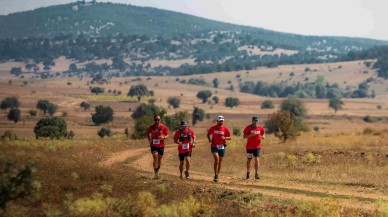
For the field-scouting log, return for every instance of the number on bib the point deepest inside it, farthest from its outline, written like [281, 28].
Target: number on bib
[155, 141]
[220, 147]
[185, 146]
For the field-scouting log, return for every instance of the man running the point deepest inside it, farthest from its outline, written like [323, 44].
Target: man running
[185, 139]
[219, 134]
[254, 133]
[156, 134]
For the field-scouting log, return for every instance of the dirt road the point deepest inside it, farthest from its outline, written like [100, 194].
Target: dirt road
[349, 196]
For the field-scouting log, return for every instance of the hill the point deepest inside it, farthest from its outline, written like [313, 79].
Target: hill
[108, 19]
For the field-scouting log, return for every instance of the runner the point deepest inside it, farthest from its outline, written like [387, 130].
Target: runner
[185, 139]
[219, 134]
[254, 133]
[156, 134]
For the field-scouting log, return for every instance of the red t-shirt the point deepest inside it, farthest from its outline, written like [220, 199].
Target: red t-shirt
[155, 132]
[254, 142]
[187, 145]
[216, 132]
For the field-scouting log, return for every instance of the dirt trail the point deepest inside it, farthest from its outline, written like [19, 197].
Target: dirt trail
[289, 190]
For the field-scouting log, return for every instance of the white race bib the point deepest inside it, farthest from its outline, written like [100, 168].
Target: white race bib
[250, 155]
[155, 141]
[220, 147]
[185, 145]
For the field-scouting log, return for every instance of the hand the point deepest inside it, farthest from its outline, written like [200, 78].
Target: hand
[161, 137]
[223, 138]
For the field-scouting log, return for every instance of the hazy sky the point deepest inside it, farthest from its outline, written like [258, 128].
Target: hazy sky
[355, 18]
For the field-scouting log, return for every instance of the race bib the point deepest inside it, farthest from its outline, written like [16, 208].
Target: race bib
[185, 146]
[249, 155]
[220, 147]
[156, 141]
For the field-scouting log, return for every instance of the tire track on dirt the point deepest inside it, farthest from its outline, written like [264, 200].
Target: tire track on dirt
[287, 191]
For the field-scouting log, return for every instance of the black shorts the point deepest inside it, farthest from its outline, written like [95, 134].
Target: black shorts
[253, 153]
[160, 150]
[182, 156]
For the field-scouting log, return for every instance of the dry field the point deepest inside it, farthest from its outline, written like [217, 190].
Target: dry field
[339, 171]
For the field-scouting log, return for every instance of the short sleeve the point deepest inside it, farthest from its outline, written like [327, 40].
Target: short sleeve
[247, 131]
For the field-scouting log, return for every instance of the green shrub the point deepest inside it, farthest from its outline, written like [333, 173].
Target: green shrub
[236, 131]
[309, 159]
[52, 127]
[267, 104]
[8, 135]
[371, 119]
[104, 132]
[16, 182]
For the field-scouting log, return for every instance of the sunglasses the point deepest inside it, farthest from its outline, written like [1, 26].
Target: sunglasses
[156, 119]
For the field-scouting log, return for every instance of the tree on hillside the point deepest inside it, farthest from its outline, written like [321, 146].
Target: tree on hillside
[139, 91]
[85, 105]
[16, 71]
[215, 83]
[42, 104]
[51, 108]
[73, 67]
[267, 104]
[336, 104]
[215, 99]
[232, 102]
[147, 110]
[198, 115]
[283, 125]
[294, 106]
[52, 127]
[204, 95]
[97, 90]
[9, 102]
[14, 115]
[104, 114]
[174, 101]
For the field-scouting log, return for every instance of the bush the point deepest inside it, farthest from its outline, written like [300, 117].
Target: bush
[9, 102]
[104, 114]
[284, 125]
[16, 182]
[204, 95]
[368, 131]
[52, 127]
[267, 104]
[32, 112]
[104, 132]
[198, 115]
[232, 102]
[174, 101]
[236, 131]
[371, 119]
[147, 110]
[70, 135]
[8, 135]
[294, 106]
[14, 115]
[316, 129]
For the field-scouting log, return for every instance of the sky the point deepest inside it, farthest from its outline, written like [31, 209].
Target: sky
[353, 18]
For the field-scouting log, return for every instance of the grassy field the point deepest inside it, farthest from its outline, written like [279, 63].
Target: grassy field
[340, 170]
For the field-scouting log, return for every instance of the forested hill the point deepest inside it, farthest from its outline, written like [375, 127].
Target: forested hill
[108, 19]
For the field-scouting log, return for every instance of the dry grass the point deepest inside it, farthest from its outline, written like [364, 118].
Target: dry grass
[338, 160]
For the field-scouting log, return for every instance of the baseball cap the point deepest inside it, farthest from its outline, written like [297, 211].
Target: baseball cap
[183, 123]
[255, 118]
[220, 118]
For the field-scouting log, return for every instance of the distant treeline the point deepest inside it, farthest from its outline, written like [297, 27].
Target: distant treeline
[317, 89]
[378, 52]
